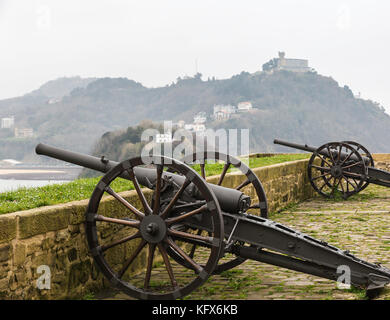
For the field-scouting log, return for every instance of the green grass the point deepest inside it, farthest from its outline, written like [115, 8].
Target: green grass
[216, 168]
[28, 198]
[79, 189]
[89, 296]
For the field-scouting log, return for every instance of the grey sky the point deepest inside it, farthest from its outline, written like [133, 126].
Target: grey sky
[154, 42]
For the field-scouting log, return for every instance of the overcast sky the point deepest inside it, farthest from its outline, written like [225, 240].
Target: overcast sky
[154, 42]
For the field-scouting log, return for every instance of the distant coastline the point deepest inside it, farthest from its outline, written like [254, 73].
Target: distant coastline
[40, 173]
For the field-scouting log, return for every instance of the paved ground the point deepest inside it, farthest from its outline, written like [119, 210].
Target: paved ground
[360, 225]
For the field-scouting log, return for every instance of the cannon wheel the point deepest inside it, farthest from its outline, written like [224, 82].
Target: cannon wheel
[152, 228]
[330, 174]
[230, 261]
[364, 152]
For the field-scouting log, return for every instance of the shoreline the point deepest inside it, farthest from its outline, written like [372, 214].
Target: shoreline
[50, 173]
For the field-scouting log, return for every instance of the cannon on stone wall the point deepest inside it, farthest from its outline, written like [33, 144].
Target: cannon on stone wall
[194, 228]
[341, 168]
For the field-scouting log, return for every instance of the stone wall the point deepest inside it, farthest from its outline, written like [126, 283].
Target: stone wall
[54, 236]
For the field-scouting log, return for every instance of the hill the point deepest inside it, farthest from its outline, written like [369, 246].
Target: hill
[302, 107]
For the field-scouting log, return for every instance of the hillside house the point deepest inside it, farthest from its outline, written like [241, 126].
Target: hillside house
[7, 123]
[222, 112]
[244, 106]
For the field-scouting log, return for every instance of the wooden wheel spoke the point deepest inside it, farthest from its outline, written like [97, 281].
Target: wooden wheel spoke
[348, 182]
[243, 184]
[352, 165]
[203, 170]
[326, 181]
[192, 252]
[190, 204]
[323, 159]
[356, 175]
[356, 183]
[131, 259]
[331, 155]
[148, 273]
[337, 185]
[137, 187]
[224, 171]
[341, 184]
[168, 265]
[320, 168]
[321, 176]
[346, 159]
[170, 221]
[157, 192]
[129, 222]
[164, 214]
[339, 154]
[123, 201]
[334, 185]
[174, 246]
[186, 235]
[115, 243]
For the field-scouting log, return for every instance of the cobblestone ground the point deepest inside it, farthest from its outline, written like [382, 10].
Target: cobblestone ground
[360, 225]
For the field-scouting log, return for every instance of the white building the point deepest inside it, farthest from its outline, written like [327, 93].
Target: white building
[7, 123]
[164, 137]
[200, 118]
[181, 123]
[24, 132]
[223, 111]
[9, 162]
[244, 106]
[189, 126]
[198, 127]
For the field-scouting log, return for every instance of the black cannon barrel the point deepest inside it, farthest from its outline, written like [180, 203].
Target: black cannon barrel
[230, 200]
[295, 146]
[307, 148]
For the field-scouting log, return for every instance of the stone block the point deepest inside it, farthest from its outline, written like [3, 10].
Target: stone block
[7, 227]
[19, 254]
[79, 273]
[5, 253]
[42, 220]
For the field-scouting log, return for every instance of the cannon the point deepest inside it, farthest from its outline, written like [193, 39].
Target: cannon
[341, 168]
[190, 228]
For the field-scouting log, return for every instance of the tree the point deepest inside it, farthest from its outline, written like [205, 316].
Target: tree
[268, 66]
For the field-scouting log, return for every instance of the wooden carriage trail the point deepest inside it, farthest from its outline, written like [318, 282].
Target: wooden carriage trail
[359, 224]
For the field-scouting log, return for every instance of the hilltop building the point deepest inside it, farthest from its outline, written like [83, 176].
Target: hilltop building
[294, 65]
[7, 123]
[281, 63]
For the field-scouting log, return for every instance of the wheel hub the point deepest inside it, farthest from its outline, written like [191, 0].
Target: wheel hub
[153, 228]
[336, 171]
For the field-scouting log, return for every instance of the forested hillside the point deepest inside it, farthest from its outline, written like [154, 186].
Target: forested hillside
[307, 108]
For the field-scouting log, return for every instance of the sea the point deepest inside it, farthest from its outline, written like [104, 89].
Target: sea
[12, 184]
[14, 178]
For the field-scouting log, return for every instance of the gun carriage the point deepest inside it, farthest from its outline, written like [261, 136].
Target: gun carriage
[199, 228]
[344, 168]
